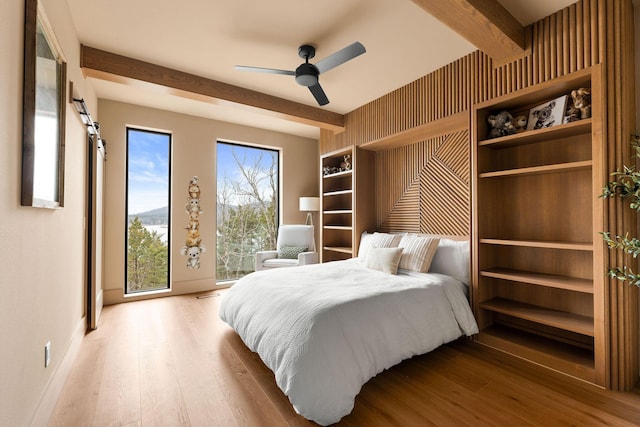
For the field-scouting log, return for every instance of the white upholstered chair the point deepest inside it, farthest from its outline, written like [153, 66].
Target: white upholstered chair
[295, 246]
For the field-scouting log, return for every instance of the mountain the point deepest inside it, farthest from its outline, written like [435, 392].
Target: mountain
[157, 216]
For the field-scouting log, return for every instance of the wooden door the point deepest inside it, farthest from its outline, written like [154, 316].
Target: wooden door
[96, 198]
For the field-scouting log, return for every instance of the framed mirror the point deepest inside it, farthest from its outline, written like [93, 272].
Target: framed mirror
[43, 117]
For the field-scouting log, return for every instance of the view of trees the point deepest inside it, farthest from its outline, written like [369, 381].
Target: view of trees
[147, 259]
[247, 213]
[148, 205]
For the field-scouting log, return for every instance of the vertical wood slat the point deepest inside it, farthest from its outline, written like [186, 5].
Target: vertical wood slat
[566, 41]
[586, 33]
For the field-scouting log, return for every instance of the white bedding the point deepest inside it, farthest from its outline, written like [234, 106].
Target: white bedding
[326, 329]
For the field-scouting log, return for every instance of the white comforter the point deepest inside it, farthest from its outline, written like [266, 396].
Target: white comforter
[326, 329]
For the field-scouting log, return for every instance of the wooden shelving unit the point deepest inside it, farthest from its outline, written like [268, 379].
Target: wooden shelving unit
[346, 203]
[538, 263]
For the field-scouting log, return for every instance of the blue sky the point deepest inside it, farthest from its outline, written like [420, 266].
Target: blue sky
[227, 164]
[148, 165]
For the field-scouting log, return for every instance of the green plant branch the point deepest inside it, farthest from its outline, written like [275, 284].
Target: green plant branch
[627, 187]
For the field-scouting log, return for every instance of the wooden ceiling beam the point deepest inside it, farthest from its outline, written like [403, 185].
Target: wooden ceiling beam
[485, 23]
[121, 69]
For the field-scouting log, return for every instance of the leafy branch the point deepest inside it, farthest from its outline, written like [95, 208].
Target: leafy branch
[627, 187]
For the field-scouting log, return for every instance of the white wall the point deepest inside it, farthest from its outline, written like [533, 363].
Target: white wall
[42, 264]
[194, 147]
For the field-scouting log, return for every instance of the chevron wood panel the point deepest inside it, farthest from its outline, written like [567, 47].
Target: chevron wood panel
[427, 186]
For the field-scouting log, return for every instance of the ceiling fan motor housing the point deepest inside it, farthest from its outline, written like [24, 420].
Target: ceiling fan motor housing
[307, 75]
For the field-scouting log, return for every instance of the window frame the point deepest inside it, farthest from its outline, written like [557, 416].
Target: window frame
[128, 130]
[279, 153]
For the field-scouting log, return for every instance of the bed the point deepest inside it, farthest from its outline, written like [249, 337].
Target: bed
[326, 329]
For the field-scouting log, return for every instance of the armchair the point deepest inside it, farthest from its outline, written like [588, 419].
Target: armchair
[295, 246]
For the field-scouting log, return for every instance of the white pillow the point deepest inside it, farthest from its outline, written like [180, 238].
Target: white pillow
[418, 252]
[384, 259]
[452, 259]
[378, 240]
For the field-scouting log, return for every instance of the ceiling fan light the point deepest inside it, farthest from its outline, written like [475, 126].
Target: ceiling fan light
[307, 75]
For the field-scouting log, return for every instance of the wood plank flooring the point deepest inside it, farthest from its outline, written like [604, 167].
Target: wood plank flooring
[172, 362]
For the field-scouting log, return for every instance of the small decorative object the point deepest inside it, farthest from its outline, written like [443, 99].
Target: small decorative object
[501, 124]
[520, 122]
[582, 101]
[193, 243]
[548, 114]
[572, 114]
[193, 255]
[194, 188]
[346, 164]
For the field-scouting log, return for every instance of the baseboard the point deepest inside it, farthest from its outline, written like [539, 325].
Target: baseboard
[59, 377]
[117, 296]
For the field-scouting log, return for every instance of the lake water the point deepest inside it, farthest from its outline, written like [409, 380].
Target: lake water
[162, 231]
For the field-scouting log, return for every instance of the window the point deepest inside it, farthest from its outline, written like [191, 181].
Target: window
[148, 207]
[247, 207]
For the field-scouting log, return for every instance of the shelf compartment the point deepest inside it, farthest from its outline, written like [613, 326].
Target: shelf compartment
[547, 280]
[533, 136]
[338, 212]
[576, 246]
[536, 170]
[575, 361]
[557, 319]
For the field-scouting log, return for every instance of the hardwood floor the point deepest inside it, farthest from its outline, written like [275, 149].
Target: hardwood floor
[172, 362]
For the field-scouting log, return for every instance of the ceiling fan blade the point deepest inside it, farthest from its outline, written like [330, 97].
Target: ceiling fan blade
[318, 94]
[340, 57]
[265, 70]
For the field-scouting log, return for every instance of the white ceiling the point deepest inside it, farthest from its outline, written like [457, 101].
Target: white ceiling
[208, 37]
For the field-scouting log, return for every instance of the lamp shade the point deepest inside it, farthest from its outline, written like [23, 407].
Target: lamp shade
[309, 204]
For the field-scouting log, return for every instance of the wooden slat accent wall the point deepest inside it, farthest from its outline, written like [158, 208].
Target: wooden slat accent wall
[423, 181]
[586, 33]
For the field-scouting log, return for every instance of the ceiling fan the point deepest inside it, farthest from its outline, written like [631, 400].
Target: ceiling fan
[307, 74]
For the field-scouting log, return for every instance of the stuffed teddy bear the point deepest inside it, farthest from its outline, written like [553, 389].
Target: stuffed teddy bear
[193, 237]
[520, 123]
[572, 113]
[194, 188]
[501, 124]
[544, 116]
[193, 216]
[193, 255]
[346, 164]
[194, 223]
[582, 101]
[193, 206]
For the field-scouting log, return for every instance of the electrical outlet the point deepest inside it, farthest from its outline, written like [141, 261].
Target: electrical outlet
[47, 354]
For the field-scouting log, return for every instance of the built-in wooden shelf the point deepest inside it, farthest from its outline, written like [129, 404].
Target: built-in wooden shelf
[338, 212]
[337, 193]
[337, 174]
[557, 319]
[338, 227]
[548, 280]
[539, 135]
[538, 265]
[346, 202]
[577, 246]
[535, 170]
[340, 249]
[575, 361]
